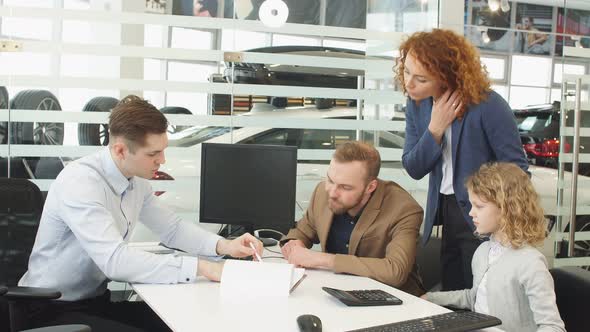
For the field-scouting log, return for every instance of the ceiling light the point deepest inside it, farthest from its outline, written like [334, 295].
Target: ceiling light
[494, 5]
[485, 37]
[484, 34]
[505, 6]
[273, 13]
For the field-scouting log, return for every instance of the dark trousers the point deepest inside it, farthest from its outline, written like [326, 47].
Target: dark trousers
[100, 314]
[458, 245]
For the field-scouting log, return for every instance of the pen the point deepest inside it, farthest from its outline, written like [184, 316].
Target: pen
[255, 252]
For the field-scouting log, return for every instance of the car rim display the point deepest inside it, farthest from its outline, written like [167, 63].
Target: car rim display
[36, 132]
[48, 133]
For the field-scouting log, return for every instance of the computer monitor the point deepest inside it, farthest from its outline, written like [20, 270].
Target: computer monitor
[248, 185]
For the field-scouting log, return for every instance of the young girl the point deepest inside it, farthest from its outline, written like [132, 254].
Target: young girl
[510, 277]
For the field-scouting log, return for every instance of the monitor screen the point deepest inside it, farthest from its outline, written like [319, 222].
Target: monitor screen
[248, 185]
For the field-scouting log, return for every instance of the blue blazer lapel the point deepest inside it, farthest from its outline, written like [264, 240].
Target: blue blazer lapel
[457, 129]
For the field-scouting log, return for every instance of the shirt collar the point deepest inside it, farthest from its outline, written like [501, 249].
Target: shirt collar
[355, 218]
[497, 245]
[358, 215]
[113, 175]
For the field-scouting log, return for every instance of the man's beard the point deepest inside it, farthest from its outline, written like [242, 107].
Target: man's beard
[340, 208]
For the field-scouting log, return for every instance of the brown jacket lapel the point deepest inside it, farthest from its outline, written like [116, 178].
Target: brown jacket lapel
[367, 218]
[323, 227]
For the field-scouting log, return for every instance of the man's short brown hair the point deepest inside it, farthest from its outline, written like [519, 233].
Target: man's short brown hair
[363, 152]
[133, 119]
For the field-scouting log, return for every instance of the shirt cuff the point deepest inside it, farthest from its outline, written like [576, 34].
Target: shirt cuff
[188, 269]
[432, 142]
[210, 247]
[342, 263]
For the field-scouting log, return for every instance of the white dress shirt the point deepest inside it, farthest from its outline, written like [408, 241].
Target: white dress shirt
[481, 297]
[89, 215]
[446, 186]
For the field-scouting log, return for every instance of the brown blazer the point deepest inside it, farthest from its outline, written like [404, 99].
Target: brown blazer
[382, 244]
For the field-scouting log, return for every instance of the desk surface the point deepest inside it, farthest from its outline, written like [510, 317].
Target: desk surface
[199, 306]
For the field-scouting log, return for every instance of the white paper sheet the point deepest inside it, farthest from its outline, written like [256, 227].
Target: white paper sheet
[256, 279]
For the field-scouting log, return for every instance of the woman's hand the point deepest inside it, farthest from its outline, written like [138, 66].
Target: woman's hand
[444, 112]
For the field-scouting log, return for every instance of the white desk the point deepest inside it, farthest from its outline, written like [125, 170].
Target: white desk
[199, 307]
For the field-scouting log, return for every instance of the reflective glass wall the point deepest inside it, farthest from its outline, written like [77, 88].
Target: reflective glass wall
[535, 51]
[219, 74]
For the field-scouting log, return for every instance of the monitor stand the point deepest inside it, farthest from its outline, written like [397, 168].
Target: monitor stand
[266, 241]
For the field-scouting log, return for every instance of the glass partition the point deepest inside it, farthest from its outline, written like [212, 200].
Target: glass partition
[535, 51]
[219, 74]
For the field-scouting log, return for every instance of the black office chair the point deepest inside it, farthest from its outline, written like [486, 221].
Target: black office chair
[572, 290]
[21, 204]
[429, 265]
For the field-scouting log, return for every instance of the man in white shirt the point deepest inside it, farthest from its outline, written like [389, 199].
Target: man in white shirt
[90, 213]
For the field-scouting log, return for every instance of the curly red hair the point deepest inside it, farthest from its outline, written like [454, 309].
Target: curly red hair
[450, 58]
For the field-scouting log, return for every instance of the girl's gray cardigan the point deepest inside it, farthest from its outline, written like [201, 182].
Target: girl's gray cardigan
[520, 290]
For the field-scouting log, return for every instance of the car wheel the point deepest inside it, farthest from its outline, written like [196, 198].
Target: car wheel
[581, 248]
[324, 103]
[278, 102]
[3, 105]
[175, 110]
[584, 170]
[96, 133]
[36, 132]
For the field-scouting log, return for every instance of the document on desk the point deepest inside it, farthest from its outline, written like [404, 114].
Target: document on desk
[255, 279]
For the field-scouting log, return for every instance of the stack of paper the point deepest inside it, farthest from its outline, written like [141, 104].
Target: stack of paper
[250, 278]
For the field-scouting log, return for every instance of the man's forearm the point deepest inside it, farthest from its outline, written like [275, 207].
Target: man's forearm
[325, 261]
[297, 234]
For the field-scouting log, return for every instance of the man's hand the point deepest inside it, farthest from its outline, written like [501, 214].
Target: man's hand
[240, 247]
[288, 247]
[444, 112]
[210, 270]
[301, 256]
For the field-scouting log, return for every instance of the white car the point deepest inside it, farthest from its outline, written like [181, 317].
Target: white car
[309, 173]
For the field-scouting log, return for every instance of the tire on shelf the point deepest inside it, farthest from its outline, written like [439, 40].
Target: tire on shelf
[175, 110]
[3, 105]
[49, 133]
[279, 102]
[324, 103]
[96, 133]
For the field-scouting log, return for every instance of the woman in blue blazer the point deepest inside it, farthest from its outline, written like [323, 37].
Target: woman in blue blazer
[454, 124]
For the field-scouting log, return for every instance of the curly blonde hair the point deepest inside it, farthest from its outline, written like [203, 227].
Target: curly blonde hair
[451, 59]
[511, 190]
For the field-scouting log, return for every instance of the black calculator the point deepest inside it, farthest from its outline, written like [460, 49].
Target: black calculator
[364, 297]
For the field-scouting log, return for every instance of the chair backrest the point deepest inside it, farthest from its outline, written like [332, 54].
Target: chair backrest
[572, 290]
[21, 204]
[429, 265]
